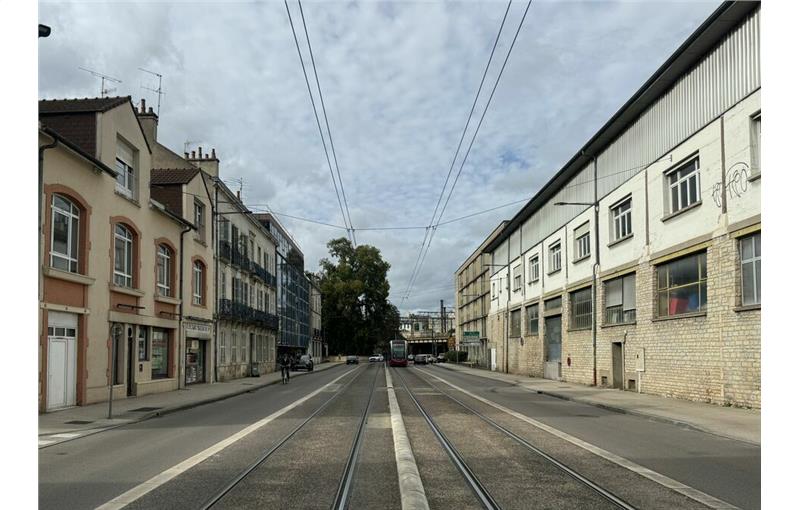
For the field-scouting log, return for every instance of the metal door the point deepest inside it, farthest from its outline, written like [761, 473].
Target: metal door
[552, 337]
[61, 360]
[616, 365]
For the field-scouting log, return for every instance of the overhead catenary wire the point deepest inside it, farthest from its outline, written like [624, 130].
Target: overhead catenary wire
[349, 221]
[428, 230]
[472, 141]
[316, 116]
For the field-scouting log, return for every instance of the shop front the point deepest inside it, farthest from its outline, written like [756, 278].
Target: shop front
[198, 337]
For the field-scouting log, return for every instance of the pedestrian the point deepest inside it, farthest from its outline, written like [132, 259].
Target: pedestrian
[284, 362]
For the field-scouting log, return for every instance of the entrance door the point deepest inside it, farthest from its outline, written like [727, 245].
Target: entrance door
[61, 360]
[552, 337]
[131, 361]
[616, 364]
[494, 358]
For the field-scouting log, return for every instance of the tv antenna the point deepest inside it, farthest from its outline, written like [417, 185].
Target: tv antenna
[157, 91]
[103, 78]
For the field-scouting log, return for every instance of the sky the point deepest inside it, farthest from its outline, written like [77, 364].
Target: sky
[398, 80]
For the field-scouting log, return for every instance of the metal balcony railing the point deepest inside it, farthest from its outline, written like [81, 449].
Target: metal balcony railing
[225, 250]
[232, 310]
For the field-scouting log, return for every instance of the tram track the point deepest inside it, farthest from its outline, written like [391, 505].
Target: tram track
[345, 482]
[480, 490]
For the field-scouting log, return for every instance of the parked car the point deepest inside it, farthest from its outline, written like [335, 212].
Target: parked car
[304, 362]
[352, 360]
[431, 358]
[441, 358]
[375, 357]
[421, 359]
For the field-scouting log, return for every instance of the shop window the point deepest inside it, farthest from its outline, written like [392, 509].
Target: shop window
[143, 344]
[682, 286]
[750, 254]
[123, 256]
[581, 309]
[620, 300]
[160, 354]
[64, 230]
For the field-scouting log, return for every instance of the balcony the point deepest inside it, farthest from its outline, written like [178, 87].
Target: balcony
[240, 259]
[231, 310]
[225, 250]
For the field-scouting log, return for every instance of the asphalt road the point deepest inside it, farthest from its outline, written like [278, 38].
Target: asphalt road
[304, 451]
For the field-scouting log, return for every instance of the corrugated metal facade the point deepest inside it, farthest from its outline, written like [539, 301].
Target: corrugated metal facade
[728, 74]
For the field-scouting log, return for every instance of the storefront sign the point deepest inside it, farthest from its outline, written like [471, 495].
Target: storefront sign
[198, 330]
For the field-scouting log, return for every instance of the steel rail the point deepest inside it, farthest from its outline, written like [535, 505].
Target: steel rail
[213, 500]
[477, 487]
[345, 483]
[610, 496]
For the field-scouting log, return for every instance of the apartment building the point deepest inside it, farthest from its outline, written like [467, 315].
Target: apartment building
[638, 265]
[472, 302]
[247, 324]
[427, 332]
[112, 257]
[293, 292]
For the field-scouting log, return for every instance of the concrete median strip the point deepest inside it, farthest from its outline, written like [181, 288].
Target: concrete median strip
[675, 485]
[412, 492]
[165, 476]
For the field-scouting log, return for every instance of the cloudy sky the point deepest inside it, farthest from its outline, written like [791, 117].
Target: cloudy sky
[398, 79]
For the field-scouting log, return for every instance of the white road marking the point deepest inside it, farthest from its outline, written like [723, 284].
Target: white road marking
[660, 479]
[66, 435]
[45, 442]
[412, 492]
[160, 479]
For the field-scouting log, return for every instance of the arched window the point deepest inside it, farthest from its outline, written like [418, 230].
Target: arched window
[64, 234]
[123, 256]
[164, 270]
[198, 283]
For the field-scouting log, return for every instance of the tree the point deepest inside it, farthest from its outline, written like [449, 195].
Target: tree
[356, 314]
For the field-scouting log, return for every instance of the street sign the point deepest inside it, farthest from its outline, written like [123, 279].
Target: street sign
[471, 337]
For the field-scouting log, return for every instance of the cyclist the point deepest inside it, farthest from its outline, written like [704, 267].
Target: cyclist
[285, 367]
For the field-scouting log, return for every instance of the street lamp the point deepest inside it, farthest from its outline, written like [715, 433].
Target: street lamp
[595, 271]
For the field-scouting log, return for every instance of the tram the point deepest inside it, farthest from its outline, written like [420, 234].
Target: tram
[398, 352]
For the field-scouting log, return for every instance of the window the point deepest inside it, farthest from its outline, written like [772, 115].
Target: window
[621, 220]
[620, 299]
[494, 289]
[200, 219]
[64, 235]
[555, 257]
[533, 269]
[234, 347]
[143, 344]
[197, 284]
[582, 242]
[517, 278]
[243, 359]
[750, 253]
[123, 256]
[222, 348]
[580, 303]
[516, 316]
[755, 136]
[682, 286]
[684, 186]
[160, 354]
[164, 270]
[533, 319]
[126, 176]
[222, 290]
[552, 304]
[224, 227]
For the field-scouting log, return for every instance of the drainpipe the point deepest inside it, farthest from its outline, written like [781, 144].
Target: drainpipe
[181, 344]
[595, 275]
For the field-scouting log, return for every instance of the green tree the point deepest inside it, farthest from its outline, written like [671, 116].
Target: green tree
[356, 314]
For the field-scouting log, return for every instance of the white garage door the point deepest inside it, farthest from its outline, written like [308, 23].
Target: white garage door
[61, 359]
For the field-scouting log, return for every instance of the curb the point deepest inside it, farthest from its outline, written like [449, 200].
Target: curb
[616, 409]
[174, 409]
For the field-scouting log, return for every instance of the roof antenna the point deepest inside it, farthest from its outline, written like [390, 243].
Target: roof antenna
[157, 91]
[103, 77]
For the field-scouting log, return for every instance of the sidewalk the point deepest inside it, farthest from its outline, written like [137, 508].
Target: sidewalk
[733, 423]
[59, 426]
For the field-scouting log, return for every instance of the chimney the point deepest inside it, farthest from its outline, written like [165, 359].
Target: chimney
[207, 163]
[149, 122]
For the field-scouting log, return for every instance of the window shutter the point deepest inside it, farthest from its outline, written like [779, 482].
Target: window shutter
[582, 230]
[125, 153]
